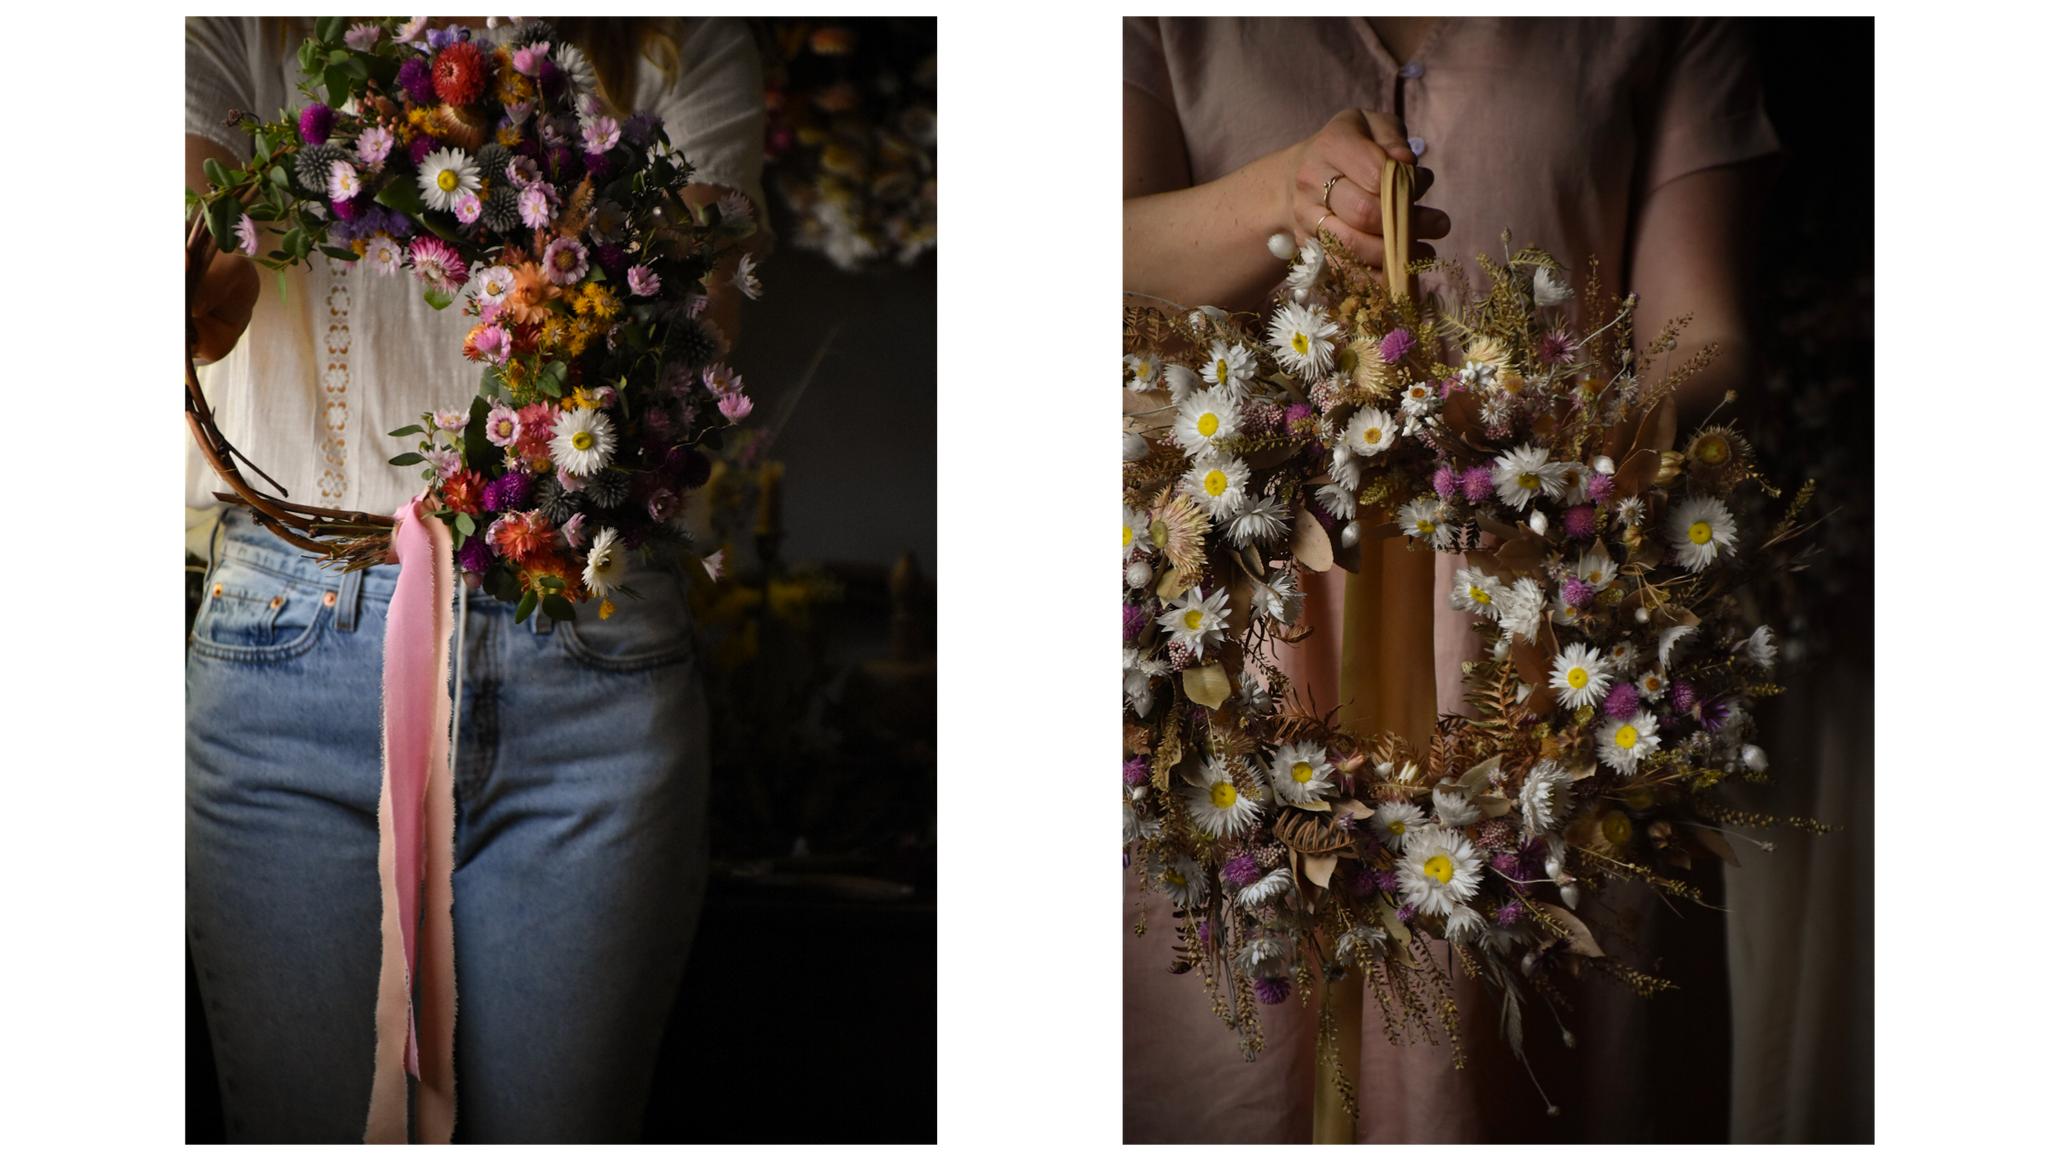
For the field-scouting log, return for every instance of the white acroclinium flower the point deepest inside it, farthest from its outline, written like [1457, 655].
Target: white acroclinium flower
[1338, 500]
[1137, 574]
[1438, 870]
[1580, 676]
[1576, 477]
[1265, 955]
[1185, 882]
[1464, 924]
[576, 67]
[445, 175]
[1196, 621]
[1271, 885]
[1203, 418]
[1301, 773]
[583, 441]
[1262, 520]
[1370, 432]
[1453, 809]
[1650, 685]
[606, 564]
[1668, 640]
[1230, 368]
[1253, 695]
[1428, 519]
[1394, 821]
[1300, 337]
[1181, 381]
[1418, 400]
[1355, 941]
[1761, 648]
[1595, 567]
[493, 283]
[1216, 806]
[1755, 758]
[1141, 371]
[1281, 597]
[1549, 289]
[1139, 671]
[1622, 742]
[1282, 246]
[1525, 473]
[1701, 528]
[1622, 656]
[1521, 609]
[1546, 796]
[1308, 266]
[1139, 826]
[1347, 469]
[1217, 483]
[1472, 591]
[1137, 533]
[1630, 510]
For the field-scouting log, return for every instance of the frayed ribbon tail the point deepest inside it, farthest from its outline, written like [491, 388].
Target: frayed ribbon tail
[415, 844]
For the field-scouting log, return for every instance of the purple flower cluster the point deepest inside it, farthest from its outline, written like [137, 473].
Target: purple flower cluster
[1622, 701]
[1272, 991]
[1137, 770]
[1396, 345]
[1241, 872]
[508, 492]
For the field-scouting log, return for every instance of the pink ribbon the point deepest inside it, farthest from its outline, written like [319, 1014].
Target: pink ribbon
[416, 843]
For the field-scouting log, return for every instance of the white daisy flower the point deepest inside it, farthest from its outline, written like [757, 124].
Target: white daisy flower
[1308, 266]
[1575, 479]
[1280, 598]
[493, 283]
[1139, 826]
[1472, 591]
[1263, 520]
[1137, 533]
[605, 564]
[1216, 806]
[1300, 337]
[1595, 567]
[1622, 657]
[1394, 821]
[1271, 885]
[1337, 500]
[583, 441]
[1418, 400]
[1464, 924]
[1347, 469]
[1230, 368]
[1196, 621]
[1650, 685]
[1438, 870]
[1217, 483]
[1141, 371]
[1525, 473]
[1138, 674]
[1181, 381]
[1580, 676]
[1370, 432]
[1265, 955]
[1761, 648]
[1453, 809]
[1549, 289]
[1701, 528]
[1301, 773]
[1427, 519]
[1668, 640]
[445, 175]
[1521, 610]
[385, 255]
[1622, 742]
[1185, 882]
[1630, 510]
[1546, 796]
[1203, 418]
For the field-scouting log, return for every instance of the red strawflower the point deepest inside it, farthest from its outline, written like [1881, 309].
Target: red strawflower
[463, 491]
[521, 535]
[536, 428]
[459, 73]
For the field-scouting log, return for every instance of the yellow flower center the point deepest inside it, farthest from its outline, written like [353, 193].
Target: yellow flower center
[1479, 595]
[1438, 868]
[1372, 435]
[448, 179]
[1426, 527]
[1711, 451]
[582, 441]
[1208, 424]
[1192, 619]
[1571, 479]
[1397, 827]
[1215, 482]
[1222, 795]
[1303, 772]
[1700, 532]
[1300, 343]
[1222, 370]
[1176, 878]
[1617, 827]
[1127, 536]
[1160, 534]
[1593, 578]
[1529, 481]
[1576, 678]
[1653, 683]
[1625, 737]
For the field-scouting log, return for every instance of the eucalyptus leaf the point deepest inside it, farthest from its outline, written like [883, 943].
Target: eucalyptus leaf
[329, 27]
[559, 608]
[408, 429]
[215, 174]
[465, 524]
[406, 459]
[526, 605]
[437, 299]
[337, 252]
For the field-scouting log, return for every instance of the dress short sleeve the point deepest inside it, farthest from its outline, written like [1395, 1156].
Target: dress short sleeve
[1145, 59]
[1712, 107]
[714, 112]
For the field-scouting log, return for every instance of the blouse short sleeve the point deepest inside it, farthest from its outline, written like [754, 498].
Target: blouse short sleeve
[228, 65]
[713, 111]
[1712, 109]
[1145, 66]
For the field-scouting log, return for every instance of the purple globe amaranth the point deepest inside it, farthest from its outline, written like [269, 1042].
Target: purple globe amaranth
[422, 145]
[1241, 871]
[1579, 523]
[1135, 621]
[1576, 592]
[1272, 991]
[1444, 482]
[508, 492]
[1301, 419]
[476, 554]
[1600, 488]
[1476, 483]
[1683, 696]
[417, 79]
[1407, 913]
[316, 121]
[1622, 701]
[1137, 770]
[1510, 913]
[1396, 345]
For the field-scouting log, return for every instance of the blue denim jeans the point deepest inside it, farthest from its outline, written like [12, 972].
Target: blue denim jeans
[580, 848]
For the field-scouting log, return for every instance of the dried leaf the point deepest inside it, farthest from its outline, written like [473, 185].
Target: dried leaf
[1171, 585]
[1712, 840]
[1461, 415]
[1637, 472]
[1137, 739]
[1382, 531]
[1479, 777]
[1575, 929]
[1310, 543]
[1395, 928]
[1490, 805]
[1317, 807]
[1532, 665]
[1357, 809]
[1317, 868]
[1585, 771]
[1523, 554]
[1207, 686]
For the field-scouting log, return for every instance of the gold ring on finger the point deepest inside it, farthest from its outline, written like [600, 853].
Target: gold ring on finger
[1320, 221]
[1334, 179]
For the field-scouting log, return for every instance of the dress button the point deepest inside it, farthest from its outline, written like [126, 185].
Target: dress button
[1413, 69]
[1416, 145]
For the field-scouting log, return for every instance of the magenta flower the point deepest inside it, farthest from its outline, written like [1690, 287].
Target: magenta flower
[437, 264]
[1622, 701]
[565, 261]
[574, 531]
[362, 37]
[374, 145]
[1600, 488]
[527, 61]
[1576, 592]
[494, 343]
[501, 426]
[720, 380]
[245, 231]
[1476, 483]
[600, 134]
[1272, 991]
[1445, 482]
[1579, 523]
[522, 172]
[316, 121]
[735, 407]
[664, 506]
[1136, 771]
[537, 205]
[643, 281]
[1396, 345]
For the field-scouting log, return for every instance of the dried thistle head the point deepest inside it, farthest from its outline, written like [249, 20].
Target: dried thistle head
[1178, 528]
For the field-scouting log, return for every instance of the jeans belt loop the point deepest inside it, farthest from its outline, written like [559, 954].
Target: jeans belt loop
[349, 601]
[542, 623]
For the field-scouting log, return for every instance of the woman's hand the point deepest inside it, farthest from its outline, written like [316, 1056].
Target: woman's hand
[222, 304]
[1352, 149]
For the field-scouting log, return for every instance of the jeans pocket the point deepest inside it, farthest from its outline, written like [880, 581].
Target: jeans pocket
[652, 631]
[251, 614]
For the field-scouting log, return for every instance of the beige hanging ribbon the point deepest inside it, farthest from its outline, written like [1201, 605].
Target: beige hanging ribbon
[1387, 671]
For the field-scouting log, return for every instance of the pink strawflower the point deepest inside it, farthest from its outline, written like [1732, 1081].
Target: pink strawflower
[373, 146]
[663, 506]
[522, 172]
[494, 343]
[501, 426]
[1445, 482]
[1476, 484]
[1622, 701]
[527, 61]
[1556, 347]
[451, 420]
[245, 231]
[719, 380]
[446, 461]
[574, 531]
[735, 406]
[600, 134]
[362, 37]
[468, 206]
[1600, 488]
[536, 205]
[735, 209]
[1579, 523]
[342, 182]
[437, 264]
[565, 261]
[643, 281]
[1396, 345]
